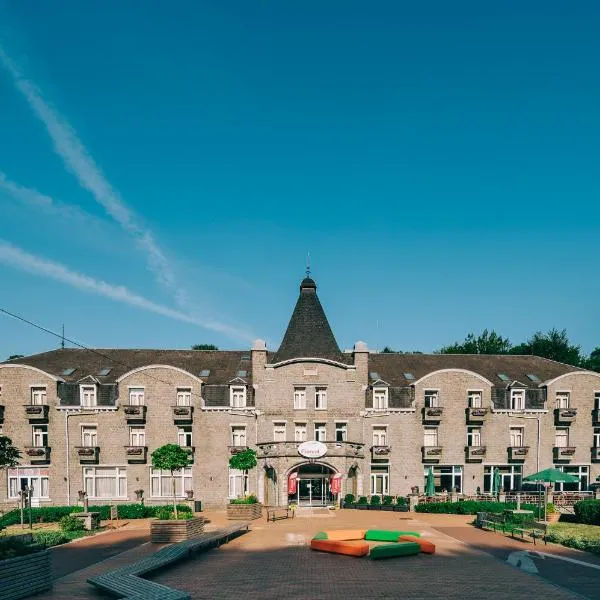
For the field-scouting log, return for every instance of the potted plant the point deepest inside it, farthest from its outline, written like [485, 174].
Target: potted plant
[401, 504]
[375, 502]
[387, 503]
[362, 503]
[552, 515]
[139, 495]
[348, 501]
[248, 507]
[171, 457]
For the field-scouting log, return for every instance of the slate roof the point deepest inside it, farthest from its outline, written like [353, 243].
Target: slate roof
[308, 333]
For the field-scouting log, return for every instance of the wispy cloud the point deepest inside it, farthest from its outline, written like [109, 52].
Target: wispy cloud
[24, 261]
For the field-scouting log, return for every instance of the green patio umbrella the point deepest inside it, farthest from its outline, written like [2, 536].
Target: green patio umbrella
[430, 483]
[550, 476]
[496, 481]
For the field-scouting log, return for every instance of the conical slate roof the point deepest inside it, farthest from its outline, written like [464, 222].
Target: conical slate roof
[308, 334]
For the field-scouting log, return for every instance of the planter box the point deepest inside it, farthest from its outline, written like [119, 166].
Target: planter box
[403, 508]
[361, 506]
[244, 512]
[26, 575]
[388, 507]
[164, 532]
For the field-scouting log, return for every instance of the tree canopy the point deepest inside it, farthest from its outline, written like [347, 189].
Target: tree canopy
[171, 457]
[9, 455]
[243, 460]
[204, 347]
[554, 345]
[13, 356]
[488, 342]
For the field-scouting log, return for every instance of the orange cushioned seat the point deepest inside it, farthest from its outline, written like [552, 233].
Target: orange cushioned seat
[426, 547]
[350, 548]
[346, 534]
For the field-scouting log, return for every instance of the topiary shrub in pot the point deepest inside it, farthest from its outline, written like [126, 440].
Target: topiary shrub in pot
[401, 504]
[362, 503]
[387, 503]
[552, 515]
[375, 503]
[349, 501]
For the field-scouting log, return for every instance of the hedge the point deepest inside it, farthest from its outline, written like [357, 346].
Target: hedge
[588, 512]
[574, 541]
[49, 538]
[471, 507]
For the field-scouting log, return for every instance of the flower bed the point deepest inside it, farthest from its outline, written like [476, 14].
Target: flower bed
[471, 507]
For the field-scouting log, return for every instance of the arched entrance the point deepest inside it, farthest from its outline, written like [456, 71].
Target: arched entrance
[312, 485]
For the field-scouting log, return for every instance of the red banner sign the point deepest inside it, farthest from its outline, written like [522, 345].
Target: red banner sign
[336, 484]
[292, 483]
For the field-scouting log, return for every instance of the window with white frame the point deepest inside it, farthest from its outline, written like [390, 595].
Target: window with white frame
[597, 437]
[299, 398]
[238, 435]
[238, 396]
[517, 400]
[184, 436]
[341, 432]
[279, 432]
[582, 472]
[136, 396]
[89, 435]
[475, 398]
[321, 398]
[39, 436]
[184, 396]
[105, 482]
[380, 398]
[137, 436]
[510, 477]
[563, 399]
[597, 400]
[561, 437]
[32, 477]
[380, 479]
[379, 435]
[430, 437]
[238, 483]
[161, 483]
[38, 395]
[320, 432]
[445, 477]
[474, 436]
[300, 432]
[432, 398]
[87, 395]
[517, 437]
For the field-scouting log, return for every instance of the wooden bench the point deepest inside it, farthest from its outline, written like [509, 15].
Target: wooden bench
[532, 529]
[280, 512]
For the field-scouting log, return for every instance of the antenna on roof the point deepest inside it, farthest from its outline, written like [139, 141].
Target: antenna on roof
[308, 264]
[62, 340]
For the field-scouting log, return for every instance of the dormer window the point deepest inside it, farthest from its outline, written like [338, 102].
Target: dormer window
[237, 396]
[517, 400]
[380, 398]
[136, 396]
[87, 395]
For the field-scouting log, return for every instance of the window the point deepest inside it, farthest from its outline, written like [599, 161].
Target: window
[380, 398]
[445, 477]
[184, 436]
[136, 396]
[299, 398]
[238, 483]
[88, 395]
[238, 435]
[105, 482]
[137, 436]
[432, 399]
[341, 432]
[320, 432]
[581, 471]
[300, 432]
[379, 436]
[39, 435]
[517, 400]
[597, 400]
[238, 397]
[184, 397]
[37, 478]
[38, 395]
[430, 438]
[561, 437]
[380, 479]
[279, 432]
[89, 435]
[475, 399]
[597, 438]
[161, 482]
[321, 398]
[510, 477]
[562, 399]
[516, 437]
[474, 436]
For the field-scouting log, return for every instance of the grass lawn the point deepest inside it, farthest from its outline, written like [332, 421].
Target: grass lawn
[38, 527]
[576, 535]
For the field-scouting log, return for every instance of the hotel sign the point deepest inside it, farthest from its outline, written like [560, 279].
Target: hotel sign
[312, 449]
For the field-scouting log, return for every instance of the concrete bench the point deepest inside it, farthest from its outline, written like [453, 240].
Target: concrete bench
[276, 514]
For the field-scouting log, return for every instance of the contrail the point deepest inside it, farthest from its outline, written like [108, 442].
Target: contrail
[20, 259]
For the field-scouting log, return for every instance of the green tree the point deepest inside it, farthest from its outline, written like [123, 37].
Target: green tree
[554, 345]
[204, 347]
[171, 457]
[15, 356]
[488, 342]
[243, 461]
[388, 350]
[9, 455]
[593, 361]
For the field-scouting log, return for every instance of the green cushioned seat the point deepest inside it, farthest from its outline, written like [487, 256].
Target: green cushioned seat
[390, 550]
[321, 535]
[384, 535]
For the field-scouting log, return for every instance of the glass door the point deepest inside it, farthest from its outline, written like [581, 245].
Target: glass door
[304, 492]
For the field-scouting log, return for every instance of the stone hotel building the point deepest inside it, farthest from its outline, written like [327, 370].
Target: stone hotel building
[90, 420]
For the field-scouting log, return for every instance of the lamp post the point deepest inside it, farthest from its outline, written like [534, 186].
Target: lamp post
[25, 495]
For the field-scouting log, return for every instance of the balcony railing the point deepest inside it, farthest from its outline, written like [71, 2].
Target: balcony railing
[88, 454]
[274, 449]
[565, 416]
[237, 449]
[476, 415]
[136, 454]
[563, 452]
[183, 414]
[36, 412]
[38, 453]
[432, 414]
[596, 416]
[134, 413]
[381, 450]
[596, 454]
[518, 453]
[432, 453]
[475, 453]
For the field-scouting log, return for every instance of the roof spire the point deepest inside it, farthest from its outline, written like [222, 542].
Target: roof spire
[308, 264]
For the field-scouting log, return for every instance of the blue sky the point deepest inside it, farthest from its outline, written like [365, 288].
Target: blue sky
[166, 167]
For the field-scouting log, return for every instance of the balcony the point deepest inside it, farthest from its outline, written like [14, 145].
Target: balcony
[596, 416]
[190, 450]
[476, 415]
[596, 454]
[563, 453]
[135, 414]
[1, 413]
[38, 454]
[432, 414]
[88, 454]
[183, 414]
[518, 453]
[564, 416]
[136, 454]
[432, 453]
[36, 412]
[237, 449]
[339, 449]
[475, 453]
[381, 450]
